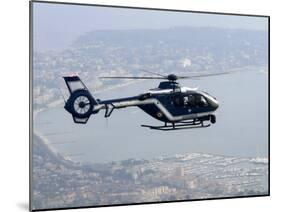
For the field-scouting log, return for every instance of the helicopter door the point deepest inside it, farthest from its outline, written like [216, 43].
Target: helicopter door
[177, 100]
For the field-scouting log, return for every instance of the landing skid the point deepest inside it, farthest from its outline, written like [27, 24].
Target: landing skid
[179, 126]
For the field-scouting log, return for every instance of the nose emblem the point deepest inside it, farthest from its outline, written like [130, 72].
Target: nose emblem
[159, 114]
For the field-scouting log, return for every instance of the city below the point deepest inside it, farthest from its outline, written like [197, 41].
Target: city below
[58, 182]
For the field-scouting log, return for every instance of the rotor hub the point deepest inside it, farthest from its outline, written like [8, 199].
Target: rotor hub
[172, 77]
[82, 104]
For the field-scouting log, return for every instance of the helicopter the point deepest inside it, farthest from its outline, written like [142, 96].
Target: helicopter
[176, 106]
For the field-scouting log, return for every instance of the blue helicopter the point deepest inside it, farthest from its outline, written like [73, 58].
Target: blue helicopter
[176, 106]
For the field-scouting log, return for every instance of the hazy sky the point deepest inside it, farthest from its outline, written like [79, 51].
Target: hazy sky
[58, 25]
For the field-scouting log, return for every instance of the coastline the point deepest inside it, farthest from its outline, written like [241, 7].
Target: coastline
[57, 103]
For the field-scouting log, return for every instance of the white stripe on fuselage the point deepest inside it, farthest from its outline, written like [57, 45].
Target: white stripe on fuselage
[158, 104]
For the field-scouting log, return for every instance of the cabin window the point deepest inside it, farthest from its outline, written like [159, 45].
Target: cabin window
[185, 100]
[178, 101]
[191, 100]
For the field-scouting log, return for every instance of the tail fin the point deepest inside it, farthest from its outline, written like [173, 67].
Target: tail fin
[80, 102]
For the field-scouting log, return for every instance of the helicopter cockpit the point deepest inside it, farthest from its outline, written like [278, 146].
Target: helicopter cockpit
[189, 100]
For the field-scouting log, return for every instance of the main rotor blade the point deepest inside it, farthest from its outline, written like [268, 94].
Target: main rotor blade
[204, 75]
[152, 73]
[132, 77]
